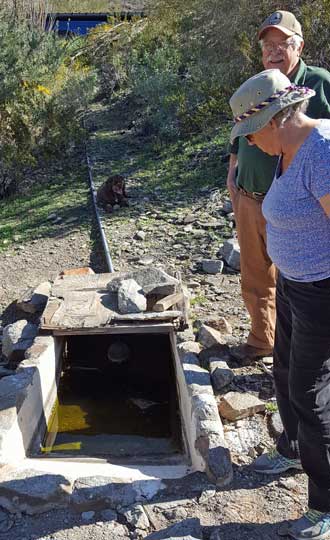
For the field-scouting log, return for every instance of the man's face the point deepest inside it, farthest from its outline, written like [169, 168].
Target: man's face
[278, 52]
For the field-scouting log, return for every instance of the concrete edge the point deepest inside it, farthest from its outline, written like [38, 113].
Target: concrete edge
[206, 427]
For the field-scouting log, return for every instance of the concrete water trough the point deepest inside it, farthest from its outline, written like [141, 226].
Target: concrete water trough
[100, 402]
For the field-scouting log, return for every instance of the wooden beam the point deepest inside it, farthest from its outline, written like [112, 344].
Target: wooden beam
[158, 328]
[168, 301]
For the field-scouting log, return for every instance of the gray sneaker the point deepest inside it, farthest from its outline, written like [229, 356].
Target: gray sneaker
[274, 463]
[313, 525]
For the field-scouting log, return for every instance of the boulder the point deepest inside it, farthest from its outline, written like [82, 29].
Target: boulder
[188, 529]
[136, 517]
[212, 266]
[231, 253]
[221, 324]
[208, 336]
[130, 297]
[236, 405]
[221, 374]
[34, 300]
[152, 280]
[188, 347]
[17, 337]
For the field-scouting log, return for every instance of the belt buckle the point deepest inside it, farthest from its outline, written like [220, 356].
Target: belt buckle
[258, 195]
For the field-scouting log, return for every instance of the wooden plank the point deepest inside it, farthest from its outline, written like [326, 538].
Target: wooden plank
[69, 324]
[83, 303]
[167, 302]
[147, 316]
[52, 306]
[139, 328]
[89, 282]
[81, 309]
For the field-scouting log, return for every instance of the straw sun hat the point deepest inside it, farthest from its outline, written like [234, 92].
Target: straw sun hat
[261, 97]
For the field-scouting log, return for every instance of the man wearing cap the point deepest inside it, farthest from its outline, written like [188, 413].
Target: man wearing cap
[250, 175]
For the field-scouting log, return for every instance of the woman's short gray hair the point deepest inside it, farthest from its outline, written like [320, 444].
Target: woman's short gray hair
[290, 112]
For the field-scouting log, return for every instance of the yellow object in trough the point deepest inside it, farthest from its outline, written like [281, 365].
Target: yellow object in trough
[64, 418]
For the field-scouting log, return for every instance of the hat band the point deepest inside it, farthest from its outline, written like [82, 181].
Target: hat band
[303, 90]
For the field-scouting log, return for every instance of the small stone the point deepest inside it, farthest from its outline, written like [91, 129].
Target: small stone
[268, 360]
[176, 514]
[236, 405]
[188, 529]
[208, 336]
[221, 374]
[109, 515]
[231, 253]
[221, 324]
[189, 218]
[276, 425]
[140, 235]
[227, 207]
[288, 483]
[212, 266]
[87, 516]
[145, 261]
[206, 495]
[188, 347]
[137, 517]
[193, 285]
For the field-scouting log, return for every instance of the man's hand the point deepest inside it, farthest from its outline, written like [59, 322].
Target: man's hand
[231, 177]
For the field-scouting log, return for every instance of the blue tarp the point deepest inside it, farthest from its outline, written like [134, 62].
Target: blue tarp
[76, 26]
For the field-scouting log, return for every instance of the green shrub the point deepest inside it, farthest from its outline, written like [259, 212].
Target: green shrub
[184, 62]
[41, 97]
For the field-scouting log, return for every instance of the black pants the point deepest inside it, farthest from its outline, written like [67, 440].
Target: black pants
[302, 381]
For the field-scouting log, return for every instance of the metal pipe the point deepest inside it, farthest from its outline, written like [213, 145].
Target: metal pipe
[98, 219]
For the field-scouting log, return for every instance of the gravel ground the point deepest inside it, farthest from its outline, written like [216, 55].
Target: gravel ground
[177, 235]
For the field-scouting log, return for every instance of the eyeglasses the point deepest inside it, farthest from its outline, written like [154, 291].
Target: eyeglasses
[270, 46]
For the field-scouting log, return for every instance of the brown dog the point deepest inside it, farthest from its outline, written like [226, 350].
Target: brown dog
[112, 192]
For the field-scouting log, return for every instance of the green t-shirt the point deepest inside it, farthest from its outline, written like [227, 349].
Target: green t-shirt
[256, 169]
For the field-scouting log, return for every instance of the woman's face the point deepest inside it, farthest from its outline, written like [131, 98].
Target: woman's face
[267, 139]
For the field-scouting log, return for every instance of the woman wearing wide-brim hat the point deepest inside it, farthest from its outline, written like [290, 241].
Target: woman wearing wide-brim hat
[269, 111]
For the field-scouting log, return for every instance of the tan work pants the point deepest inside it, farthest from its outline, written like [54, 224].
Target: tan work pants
[258, 273]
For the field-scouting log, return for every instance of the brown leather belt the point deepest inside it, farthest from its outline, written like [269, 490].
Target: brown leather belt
[252, 195]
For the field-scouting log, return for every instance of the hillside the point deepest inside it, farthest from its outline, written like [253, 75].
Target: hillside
[95, 6]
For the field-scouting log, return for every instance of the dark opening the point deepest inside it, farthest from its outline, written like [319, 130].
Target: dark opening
[117, 397]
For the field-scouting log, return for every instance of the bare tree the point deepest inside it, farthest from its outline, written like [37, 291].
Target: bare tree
[34, 11]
